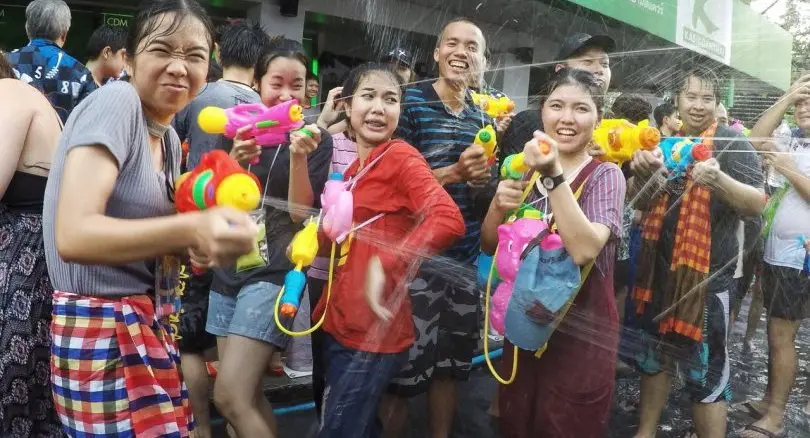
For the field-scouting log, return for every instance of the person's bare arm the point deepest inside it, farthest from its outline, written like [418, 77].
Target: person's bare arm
[771, 118]
[16, 120]
[747, 200]
[299, 192]
[84, 234]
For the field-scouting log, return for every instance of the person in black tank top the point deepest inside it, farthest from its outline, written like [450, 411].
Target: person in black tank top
[25, 288]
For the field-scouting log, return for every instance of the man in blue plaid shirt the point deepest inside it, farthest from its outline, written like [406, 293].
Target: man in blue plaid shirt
[43, 64]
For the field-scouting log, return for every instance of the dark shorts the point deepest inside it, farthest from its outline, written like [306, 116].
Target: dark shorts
[786, 292]
[707, 371]
[446, 316]
[355, 383]
[194, 313]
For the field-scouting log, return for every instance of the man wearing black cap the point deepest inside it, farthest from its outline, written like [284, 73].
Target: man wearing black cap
[402, 61]
[581, 51]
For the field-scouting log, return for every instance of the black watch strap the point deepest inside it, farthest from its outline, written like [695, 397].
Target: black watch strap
[552, 182]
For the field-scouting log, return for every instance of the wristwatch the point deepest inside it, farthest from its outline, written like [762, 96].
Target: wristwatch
[551, 182]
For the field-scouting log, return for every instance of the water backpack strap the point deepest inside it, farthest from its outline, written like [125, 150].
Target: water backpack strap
[577, 185]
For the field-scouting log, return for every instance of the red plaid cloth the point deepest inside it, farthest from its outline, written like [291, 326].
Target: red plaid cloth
[115, 370]
[684, 296]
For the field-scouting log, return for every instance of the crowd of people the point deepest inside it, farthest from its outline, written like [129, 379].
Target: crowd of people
[656, 263]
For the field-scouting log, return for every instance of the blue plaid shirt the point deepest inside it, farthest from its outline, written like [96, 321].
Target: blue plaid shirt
[59, 76]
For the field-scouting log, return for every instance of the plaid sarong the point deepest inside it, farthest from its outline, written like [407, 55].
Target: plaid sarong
[115, 370]
[683, 302]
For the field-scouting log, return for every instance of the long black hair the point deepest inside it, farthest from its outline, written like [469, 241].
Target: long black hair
[279, 48]
[580, 78]
[150, 17]
[356, 76]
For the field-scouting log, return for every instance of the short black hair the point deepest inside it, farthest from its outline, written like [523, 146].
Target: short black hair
[666, 109]
[311, 76]
[631, 107]
[705, 74]
[242, 44]
[106, 36]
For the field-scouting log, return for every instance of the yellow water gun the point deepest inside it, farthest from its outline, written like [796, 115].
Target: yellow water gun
[620, 139]
[304, 248]
[486, 139]
[494, 106]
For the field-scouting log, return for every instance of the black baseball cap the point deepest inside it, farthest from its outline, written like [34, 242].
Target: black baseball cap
[401, 55]
[578, 42]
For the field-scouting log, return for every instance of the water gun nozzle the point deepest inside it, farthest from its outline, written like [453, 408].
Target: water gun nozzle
[212, 120]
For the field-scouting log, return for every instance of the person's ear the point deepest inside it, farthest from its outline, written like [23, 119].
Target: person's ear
[106, 52]
[558, 67]
[436, 55]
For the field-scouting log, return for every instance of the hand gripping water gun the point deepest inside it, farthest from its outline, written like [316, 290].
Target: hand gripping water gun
[512, 240]
[620, 139]
[680, 153]
[304, 249]
[269, 126]
[486, 139]
[514, 166]
[217, 181]
[494, 106]
[337, 204]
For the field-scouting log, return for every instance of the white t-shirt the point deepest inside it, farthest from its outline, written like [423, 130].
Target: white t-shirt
[792, 219]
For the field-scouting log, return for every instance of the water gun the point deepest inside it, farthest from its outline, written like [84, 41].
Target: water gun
[269, 126]
[304, 248]
[620, 139]
[337, 204]
[217, 181]
[680, 153]
[514, 167]
[806, 266]
[493, 106]
[486, 139]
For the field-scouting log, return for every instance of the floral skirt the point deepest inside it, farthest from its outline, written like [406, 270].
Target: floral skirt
[26, 401]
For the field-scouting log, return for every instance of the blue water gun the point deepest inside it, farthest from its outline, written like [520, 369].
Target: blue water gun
[680, 153]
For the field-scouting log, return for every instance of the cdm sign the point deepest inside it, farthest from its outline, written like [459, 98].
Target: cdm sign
[117, 20]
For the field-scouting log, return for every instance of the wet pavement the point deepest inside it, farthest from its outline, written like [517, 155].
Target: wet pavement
[749, 379]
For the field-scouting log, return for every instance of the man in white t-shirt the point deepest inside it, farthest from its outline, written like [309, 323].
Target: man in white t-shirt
[786, 290]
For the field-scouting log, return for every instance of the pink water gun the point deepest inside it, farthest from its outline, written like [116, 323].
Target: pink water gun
[337, 204]
[269, 126]
[513, 238]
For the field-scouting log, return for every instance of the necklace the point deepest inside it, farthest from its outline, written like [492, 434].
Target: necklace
[156, 129]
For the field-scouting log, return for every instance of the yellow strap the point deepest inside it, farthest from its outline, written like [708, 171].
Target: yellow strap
[311, 305]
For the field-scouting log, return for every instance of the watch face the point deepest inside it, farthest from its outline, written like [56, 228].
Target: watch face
[548, 183]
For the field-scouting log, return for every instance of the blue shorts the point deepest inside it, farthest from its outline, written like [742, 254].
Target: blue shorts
[249, 314]
[355, 383]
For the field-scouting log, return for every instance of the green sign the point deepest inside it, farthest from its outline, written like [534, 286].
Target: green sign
[117, 20]
[654, 16]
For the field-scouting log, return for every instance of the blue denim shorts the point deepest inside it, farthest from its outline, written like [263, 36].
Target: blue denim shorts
[249, 314]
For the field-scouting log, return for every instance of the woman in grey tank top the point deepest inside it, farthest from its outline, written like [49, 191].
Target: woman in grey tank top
[112, 237]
